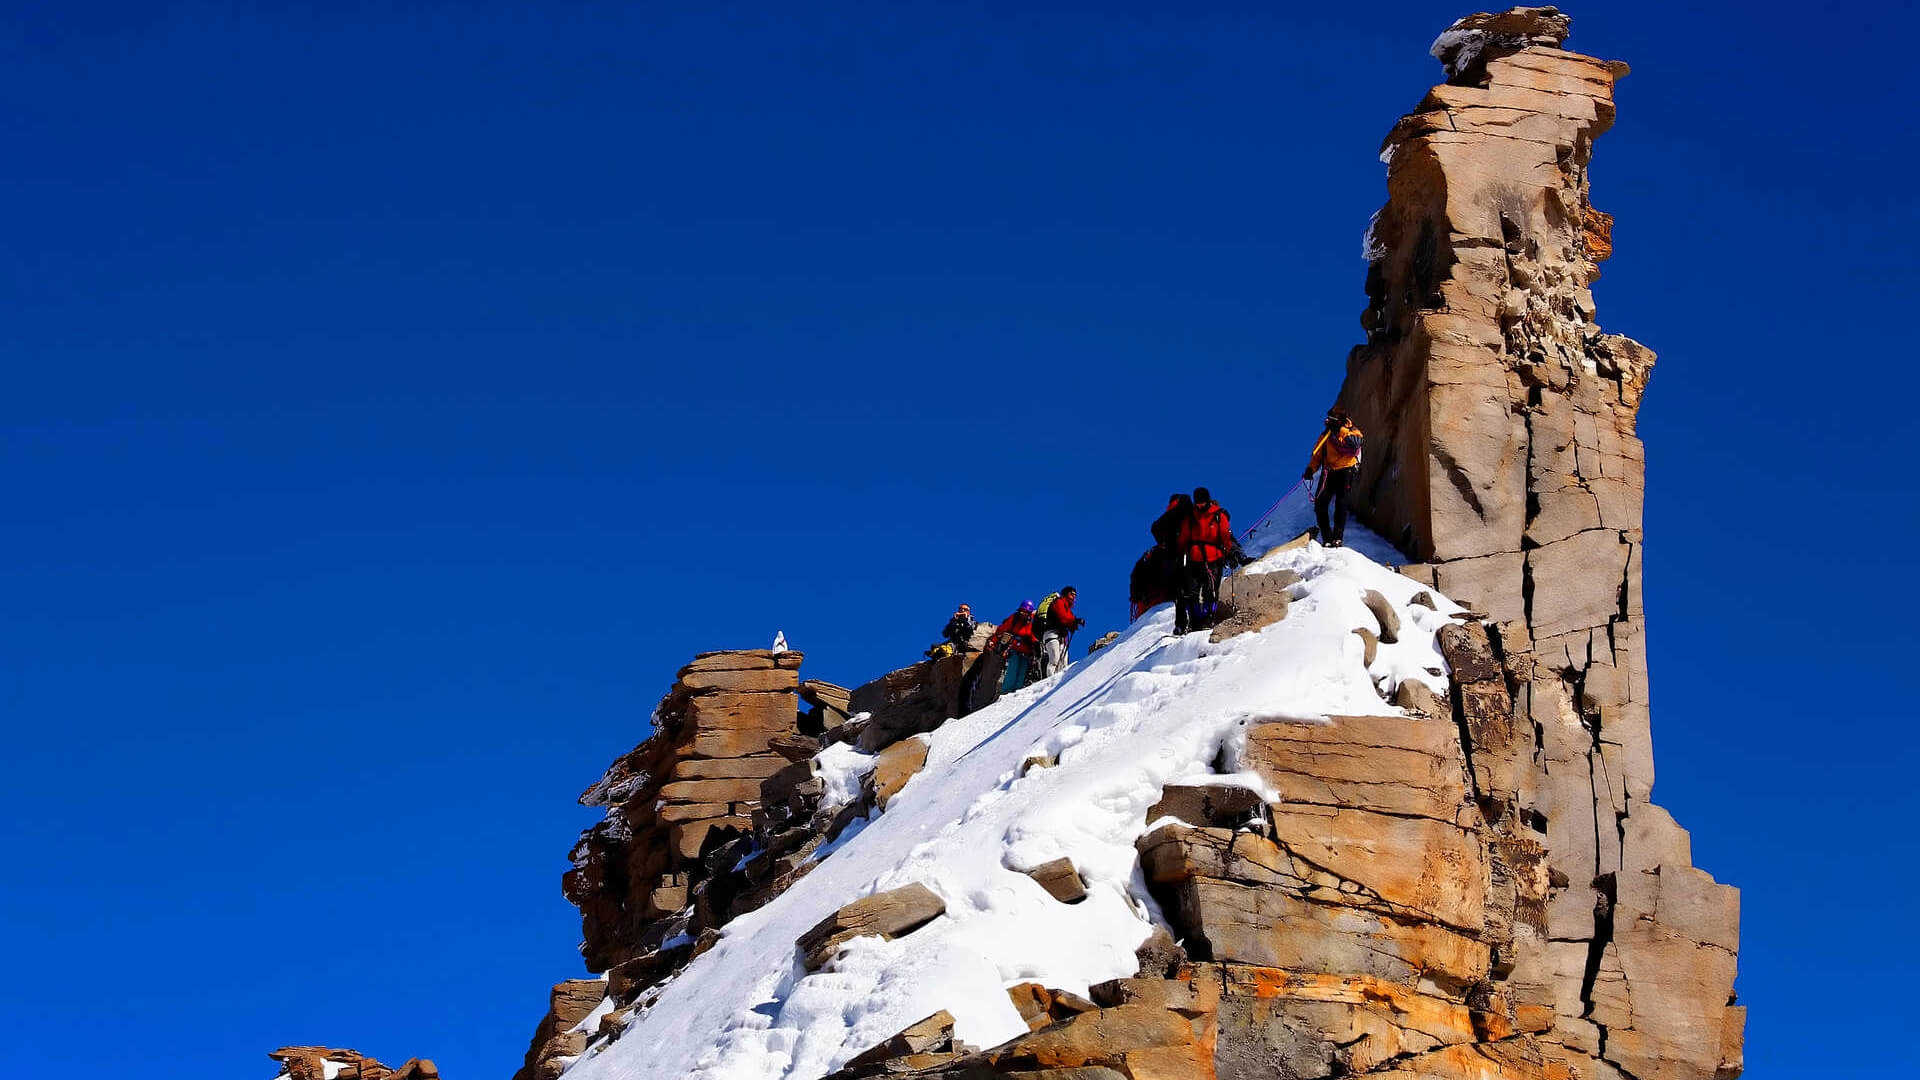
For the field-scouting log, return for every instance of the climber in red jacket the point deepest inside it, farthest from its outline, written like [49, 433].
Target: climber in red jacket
[1206, 536]
[1057, 625]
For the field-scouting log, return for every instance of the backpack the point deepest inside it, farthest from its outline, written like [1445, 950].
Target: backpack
[1043, 615]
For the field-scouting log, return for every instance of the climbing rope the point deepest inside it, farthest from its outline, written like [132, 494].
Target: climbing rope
[1276, 505]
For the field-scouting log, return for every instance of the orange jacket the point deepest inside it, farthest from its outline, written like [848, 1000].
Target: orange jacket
[1336, 451]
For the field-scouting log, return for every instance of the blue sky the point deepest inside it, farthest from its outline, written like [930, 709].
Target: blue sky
[399, 393]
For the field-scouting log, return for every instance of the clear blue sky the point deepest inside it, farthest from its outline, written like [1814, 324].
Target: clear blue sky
[398, 393]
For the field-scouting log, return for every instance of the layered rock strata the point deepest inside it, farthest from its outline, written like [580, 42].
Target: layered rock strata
[570, 1024]
[640, 877]
[1481, 886]
[1469, 886]
[1502, 456]
[716, 813]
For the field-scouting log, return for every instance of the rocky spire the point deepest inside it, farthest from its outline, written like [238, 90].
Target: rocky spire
[1503, 456]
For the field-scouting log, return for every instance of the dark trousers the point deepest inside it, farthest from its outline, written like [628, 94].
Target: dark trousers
[1199, 594]
[1334, 489]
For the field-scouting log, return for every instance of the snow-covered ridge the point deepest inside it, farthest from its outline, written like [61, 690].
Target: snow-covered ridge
[1150, 709]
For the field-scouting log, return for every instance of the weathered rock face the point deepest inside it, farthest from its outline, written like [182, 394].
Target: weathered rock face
[913, 699]
[1470, 888]
[1502, 454]
[328, 1063]
[1480, 887]
[563, 1033]
[731, 720]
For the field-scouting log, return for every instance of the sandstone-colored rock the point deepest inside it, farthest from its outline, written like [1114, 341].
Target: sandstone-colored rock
[1270, 928]
[1140, 1041]
[828, 695]
[1174, 853]
[1226, 805]
[676, 813]
[889, 914]
[768, 680]
[1384, 614]
[1418, 698]
[1415, 867]
[758, 767]
[912, 700]
[731, 660]
[328, 1063]
[1042, 1006]
[1493, 584]
[690, 840]
[1256, 601]
[774, 712]
[1328, 1025]
[1392, 764]
[1369, 645]
[1061, 880]
[1577, 582]
[738, 789]
[896, 765]
[929, 1035]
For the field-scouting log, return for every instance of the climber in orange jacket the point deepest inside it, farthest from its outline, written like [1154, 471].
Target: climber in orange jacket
[1206, 536]
[1337, 456]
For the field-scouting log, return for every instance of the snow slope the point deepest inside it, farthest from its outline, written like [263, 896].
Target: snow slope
[1149, 709]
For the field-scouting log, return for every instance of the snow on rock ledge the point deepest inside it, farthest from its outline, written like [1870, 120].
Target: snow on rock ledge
[1150, 710]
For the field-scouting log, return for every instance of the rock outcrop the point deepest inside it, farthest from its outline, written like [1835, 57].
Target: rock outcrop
[1465, 887]
[731, 720]
[1482, 886]
[563, 1034]
[1502, 456]
[328, 1063]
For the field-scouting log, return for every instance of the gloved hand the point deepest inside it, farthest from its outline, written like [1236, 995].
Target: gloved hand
[1308, 475]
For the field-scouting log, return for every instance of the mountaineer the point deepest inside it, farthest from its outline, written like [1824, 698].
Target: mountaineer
[1057, 624]
[1337, 457]
[1206, 539]
[1002, 663]
[1017, 641]
[957, 635]
[1156, 575]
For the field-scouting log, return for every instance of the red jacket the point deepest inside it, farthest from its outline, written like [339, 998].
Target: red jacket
[1206, 535]
[1016, 634]
[1061, 616]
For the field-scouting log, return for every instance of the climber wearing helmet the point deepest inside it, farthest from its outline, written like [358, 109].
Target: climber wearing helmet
[1014, 639]
[1337, 457]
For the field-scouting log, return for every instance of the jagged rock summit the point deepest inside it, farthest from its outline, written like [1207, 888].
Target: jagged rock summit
[1394, 819]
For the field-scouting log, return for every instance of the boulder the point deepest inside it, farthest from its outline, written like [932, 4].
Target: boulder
[1040, 1006]
[889, 915]
[1384, 614]
[1255, 601]
[928, 1036]
[1061, 880]
[896, 765]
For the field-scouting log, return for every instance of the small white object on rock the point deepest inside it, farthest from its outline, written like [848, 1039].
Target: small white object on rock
[779, 642]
